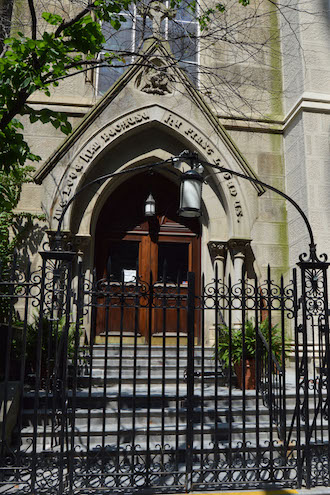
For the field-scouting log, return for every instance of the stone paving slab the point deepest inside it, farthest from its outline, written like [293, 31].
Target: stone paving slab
[320, 490]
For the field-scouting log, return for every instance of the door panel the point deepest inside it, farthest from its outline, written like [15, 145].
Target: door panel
[174, 261]
[165, 263]
[123, 260]
[162, 246]
[119, 281]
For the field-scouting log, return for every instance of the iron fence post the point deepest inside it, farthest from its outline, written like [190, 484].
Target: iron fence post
[60, 264]
[296, 417]
[314, 304]
[190, 378]
[79, 304]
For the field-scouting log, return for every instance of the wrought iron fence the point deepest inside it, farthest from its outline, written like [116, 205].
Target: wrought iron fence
[146, 385]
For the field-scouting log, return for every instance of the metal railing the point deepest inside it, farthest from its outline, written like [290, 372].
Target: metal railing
[151, 400]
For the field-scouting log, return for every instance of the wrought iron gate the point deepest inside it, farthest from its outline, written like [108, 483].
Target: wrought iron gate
[163, 411]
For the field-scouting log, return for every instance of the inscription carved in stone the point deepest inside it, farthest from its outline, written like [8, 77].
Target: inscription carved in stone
[117, 129]
[91, 151]
[94, 147]
[176, 123]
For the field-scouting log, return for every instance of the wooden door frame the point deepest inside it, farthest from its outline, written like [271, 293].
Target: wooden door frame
[132, 225]
[149, 249]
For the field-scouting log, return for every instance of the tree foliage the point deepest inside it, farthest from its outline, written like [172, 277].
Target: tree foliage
[13, 226]
[36, 63]
[31, 64]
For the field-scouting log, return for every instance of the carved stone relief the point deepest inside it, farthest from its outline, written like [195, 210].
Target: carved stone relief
[239, 246]
[154, 79]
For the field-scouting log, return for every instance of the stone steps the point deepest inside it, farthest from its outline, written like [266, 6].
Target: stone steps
[212, 433]
[171, 415]
[158, 400]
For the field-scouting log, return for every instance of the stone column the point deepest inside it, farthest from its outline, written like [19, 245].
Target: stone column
[238, 249]
[218, 251]
[239, 258]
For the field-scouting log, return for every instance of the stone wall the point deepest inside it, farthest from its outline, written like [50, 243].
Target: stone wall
[306, 62]
[298, 163]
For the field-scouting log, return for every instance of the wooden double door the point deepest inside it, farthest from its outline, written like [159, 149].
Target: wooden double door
[133, 252]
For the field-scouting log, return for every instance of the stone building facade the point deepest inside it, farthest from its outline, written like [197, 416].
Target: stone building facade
[144, 119]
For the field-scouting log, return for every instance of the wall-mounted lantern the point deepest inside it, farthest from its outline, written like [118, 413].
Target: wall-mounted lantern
[150, 206]
[191, 194]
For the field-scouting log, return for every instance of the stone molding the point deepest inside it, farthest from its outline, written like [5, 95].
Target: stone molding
[309, 102]
[88, 152]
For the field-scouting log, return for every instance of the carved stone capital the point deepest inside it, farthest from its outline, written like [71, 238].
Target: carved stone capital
[239, 247]
[82, 242]
[217, 250]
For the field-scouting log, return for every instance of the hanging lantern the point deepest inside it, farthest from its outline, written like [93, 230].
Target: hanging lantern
[150, 206]
[191, 194]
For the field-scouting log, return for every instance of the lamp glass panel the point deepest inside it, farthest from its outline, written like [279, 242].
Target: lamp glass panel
[149, 209]
[191, 194]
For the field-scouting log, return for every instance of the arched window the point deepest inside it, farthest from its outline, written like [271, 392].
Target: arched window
[179, 28]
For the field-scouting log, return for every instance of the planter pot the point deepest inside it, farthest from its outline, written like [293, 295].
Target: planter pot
[250, 374]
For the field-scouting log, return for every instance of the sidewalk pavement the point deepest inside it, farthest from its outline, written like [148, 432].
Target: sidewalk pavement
[320, 490]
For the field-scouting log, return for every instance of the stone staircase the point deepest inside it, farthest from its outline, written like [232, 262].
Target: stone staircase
[144, 406]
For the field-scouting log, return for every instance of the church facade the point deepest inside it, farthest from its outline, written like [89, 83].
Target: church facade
[154, 112]
[161, 340]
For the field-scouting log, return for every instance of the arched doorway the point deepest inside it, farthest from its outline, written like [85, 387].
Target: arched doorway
[130, 247]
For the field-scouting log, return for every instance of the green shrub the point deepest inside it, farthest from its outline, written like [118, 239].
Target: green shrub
[52, 333]
[250, 342]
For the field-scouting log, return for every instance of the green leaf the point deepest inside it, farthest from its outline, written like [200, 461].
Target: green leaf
[220, 7]
[66, 128]
[53, 19]
[33, 118]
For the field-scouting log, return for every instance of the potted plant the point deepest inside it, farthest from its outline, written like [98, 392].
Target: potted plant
[51, 335]
[250, 350]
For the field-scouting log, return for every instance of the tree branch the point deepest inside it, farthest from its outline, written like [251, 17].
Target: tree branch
[65, 25]
[33, 20]
[81, 71]
[3, 53]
